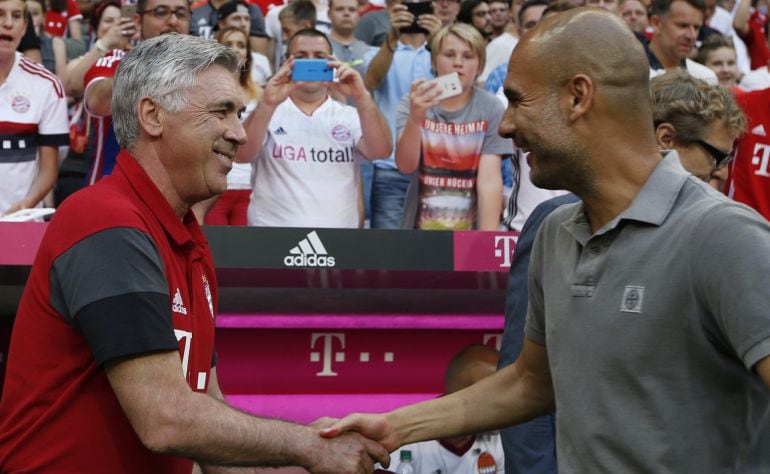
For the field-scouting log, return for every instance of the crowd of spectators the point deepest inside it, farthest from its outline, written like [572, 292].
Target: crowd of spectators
[446, 166]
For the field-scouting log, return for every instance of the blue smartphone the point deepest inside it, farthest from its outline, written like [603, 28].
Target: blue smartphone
[312, 70]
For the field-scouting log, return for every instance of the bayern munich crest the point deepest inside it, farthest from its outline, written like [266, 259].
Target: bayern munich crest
[20, 104]
[341, 133]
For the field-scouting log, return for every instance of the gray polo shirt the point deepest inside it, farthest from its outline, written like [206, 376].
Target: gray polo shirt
[652, 326]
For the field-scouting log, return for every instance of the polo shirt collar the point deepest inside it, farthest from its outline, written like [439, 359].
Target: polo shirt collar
[181, 232]
[655, 200]
[651, 205]
[655, 63]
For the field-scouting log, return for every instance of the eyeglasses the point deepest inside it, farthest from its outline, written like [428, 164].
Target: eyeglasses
[720, 156]
[164, 13]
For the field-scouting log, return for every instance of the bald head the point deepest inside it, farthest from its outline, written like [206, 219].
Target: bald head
[593, 42]
[469, 366]
[577, 75]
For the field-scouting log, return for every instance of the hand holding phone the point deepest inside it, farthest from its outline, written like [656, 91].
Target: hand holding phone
[312, 70]
[417, 9]
[449, 84]
[128, 8]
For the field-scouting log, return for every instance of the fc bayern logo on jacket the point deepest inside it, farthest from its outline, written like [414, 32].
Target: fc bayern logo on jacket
[341, 133]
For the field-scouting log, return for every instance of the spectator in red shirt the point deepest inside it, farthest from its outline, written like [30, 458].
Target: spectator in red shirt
[750, 22]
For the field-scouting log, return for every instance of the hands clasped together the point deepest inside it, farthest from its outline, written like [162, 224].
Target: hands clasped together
[354, 444]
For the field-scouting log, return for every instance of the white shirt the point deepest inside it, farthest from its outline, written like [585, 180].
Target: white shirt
[755, 80]
[498, 52]
[696, 70]
[429, 457]
[33, 110]
[308, 170]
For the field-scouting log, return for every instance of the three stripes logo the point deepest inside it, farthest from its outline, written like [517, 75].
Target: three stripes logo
[309, 252]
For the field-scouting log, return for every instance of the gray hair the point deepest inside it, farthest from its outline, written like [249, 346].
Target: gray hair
[164, 68]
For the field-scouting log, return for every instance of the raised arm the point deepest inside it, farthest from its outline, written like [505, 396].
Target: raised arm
[376, 142]
[512, 395]
[380, 64]
[75, 72]
[741, 18]
[422, 96]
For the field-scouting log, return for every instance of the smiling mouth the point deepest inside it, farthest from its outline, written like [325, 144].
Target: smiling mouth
[6, 38]
[226, 156]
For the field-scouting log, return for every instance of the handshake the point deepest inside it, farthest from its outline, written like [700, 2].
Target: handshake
[351, 445]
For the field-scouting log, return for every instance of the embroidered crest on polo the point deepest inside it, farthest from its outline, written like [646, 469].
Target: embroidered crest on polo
[632, 299]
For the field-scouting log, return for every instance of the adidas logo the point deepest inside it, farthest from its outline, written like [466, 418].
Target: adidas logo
[759, 130]
[310, 252]
[177, 305]
[279, 131]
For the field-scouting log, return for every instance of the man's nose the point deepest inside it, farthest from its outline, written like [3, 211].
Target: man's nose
[236, 132]
[507, 128]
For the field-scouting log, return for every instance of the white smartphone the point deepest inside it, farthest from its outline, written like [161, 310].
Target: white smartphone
[26, 215]
[449, 84]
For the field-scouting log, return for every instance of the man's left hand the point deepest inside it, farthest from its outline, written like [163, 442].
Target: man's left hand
[349, 82]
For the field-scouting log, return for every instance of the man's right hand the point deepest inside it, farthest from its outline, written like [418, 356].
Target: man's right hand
[346, 453]
[400, 17]
[422, 96]
[280, 85]
[118, 35]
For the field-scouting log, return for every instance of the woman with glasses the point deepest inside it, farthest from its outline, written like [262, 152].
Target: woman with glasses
[452, 143]
[699, 121]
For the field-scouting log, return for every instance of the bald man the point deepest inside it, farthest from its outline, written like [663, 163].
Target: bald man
[647, 324]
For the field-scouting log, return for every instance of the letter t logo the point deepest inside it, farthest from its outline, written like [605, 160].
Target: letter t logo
[328, 342]
[507, 249]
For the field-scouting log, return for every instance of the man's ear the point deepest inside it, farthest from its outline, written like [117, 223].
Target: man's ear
[665, 134]
[581, 93]
[150, 116]
[655, 22]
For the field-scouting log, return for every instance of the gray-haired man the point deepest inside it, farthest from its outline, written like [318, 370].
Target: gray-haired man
[111, 366]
